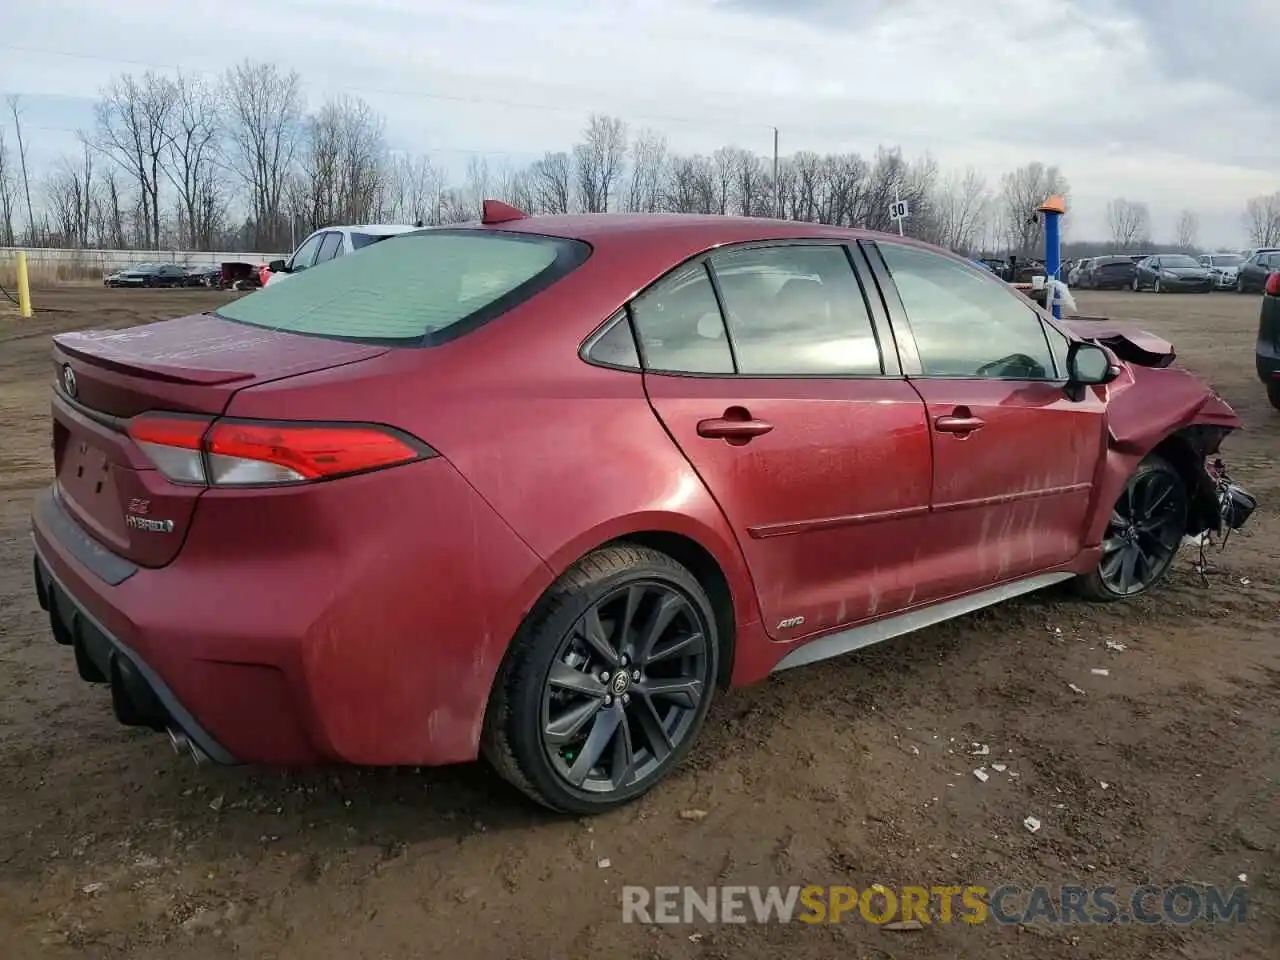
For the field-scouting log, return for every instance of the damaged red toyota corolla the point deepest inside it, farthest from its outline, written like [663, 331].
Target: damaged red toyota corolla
[535, 488]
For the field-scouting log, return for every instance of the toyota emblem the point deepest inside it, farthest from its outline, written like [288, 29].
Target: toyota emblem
[69, 380]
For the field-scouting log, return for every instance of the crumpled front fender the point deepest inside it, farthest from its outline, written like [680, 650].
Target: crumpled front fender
[1167, 408]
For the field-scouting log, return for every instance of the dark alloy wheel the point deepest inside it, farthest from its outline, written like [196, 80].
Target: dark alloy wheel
[1144, 533]
[605, 691]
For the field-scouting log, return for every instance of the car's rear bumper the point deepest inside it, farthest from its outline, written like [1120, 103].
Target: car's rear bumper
[139, 696]
[367, 628]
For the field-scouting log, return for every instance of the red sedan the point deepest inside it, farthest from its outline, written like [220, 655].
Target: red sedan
[535, 488]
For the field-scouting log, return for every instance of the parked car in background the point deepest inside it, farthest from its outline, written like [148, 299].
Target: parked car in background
[1109, 273]
[339, 529]
[1223, 267]
[1253, 273]
[1172, 273]
[148, 275]
[1268, 345]
[329, 243]
[204, 275]
[1077, 271]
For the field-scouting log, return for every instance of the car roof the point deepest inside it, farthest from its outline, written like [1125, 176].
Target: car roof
[376, 229]
[681, 235]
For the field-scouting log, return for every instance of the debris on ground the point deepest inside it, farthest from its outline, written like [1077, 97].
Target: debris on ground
[982, 774]
[980, 750]
[1075, 689]
[1032, 824]
[1100, 672]
[1117, 646]
[999, 767]
[693, 815]
[900, 926]
[604, 863]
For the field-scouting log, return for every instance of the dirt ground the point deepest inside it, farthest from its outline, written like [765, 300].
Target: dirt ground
[853, 771]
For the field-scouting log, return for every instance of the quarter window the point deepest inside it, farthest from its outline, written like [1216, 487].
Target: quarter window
[796, 310]
[966, 324]
[615, 347]
[679, 325]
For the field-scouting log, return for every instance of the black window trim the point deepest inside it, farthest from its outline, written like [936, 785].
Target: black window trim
[898, 321]
[890, 362]
[571, 253]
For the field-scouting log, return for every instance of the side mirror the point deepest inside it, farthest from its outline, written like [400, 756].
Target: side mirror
[1090, 365]
[277, 266]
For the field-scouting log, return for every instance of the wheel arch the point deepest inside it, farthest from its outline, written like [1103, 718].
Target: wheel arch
[699, 561]
[1185, 450]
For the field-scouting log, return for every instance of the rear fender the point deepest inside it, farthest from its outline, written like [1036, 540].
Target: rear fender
[1166, 411]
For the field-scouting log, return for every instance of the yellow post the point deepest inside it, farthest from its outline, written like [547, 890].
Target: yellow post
[24, 286]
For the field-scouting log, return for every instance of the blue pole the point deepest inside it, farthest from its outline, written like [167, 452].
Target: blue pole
[1052, 252]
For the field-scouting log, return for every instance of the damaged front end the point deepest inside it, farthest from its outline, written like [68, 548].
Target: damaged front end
[1156, 407]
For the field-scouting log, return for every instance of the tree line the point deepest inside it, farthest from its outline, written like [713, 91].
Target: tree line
[243, 162]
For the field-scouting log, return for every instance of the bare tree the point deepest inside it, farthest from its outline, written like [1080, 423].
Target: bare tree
[1262, 220]
[964, 207]
[599, 160]
[648, 171]
[1186, 229]
[69, 192]
[552, 183]
[108, 214]
[414, 187]
[478, 181]
[15, 110]
[8, 197]
[264, 108]
[752, 185]
[343, 165]
[133, 117]
[1021, 192]
[1129, 222]
[191, 134]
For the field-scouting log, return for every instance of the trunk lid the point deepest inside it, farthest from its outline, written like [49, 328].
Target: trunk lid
[193, 364]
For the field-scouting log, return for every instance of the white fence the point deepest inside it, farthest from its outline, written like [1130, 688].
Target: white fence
[106, 261]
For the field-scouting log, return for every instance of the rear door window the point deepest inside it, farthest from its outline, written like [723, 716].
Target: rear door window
[680, 327]
[426, 288]
[796, 310]
[330, 247]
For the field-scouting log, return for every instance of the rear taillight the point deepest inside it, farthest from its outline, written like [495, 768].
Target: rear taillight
[261, 453]
[1273, 285]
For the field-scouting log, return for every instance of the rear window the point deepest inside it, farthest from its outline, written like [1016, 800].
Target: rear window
[361, 240]
[424, 288]
[1113, 262]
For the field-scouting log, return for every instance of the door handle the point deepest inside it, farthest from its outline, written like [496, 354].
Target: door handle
[958, 424]
[730, 428]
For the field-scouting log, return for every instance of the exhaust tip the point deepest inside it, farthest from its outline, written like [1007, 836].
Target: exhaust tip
[181, 743]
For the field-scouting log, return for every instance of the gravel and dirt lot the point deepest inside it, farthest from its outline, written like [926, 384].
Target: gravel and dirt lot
[1165, 770]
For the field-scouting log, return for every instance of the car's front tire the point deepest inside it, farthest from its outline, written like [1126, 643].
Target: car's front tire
[607, 684]
[1147, 525]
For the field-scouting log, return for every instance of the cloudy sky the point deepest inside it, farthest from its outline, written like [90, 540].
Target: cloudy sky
[1176, 103]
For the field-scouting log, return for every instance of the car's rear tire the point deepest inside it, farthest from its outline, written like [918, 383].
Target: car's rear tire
[1144, 533]
[607, 684]
[1273, 393]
